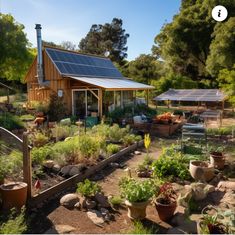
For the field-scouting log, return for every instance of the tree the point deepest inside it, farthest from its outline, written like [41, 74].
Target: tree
[15, 55]
[222, 48]
[174, 81]
[68, 45]
[226, 80]
[184, 43]
[144, 69]
[105, 38]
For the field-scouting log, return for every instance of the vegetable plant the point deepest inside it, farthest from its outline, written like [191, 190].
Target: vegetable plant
[112, 148]
[136, 191]
[88, 188]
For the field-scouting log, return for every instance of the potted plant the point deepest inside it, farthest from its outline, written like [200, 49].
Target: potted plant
[217, 158]
[210, 224]
[165, 202]
[201, 171]
[137, 195]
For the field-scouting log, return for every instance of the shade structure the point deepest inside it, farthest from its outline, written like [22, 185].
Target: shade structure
[114, 83]
[205, 95]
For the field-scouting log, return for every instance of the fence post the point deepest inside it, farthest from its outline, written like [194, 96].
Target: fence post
[27, 171]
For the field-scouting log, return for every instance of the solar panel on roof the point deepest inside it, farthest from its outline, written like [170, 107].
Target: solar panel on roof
[70, 63]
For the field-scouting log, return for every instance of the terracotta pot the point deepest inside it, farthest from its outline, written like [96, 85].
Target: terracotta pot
[165, 212]
[201, 171]
[13, 195]
[136, 210]
[217, 160]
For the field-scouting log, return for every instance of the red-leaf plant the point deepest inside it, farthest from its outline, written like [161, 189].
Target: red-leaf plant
[167, 194]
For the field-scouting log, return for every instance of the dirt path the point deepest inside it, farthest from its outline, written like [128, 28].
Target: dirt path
[121, 224]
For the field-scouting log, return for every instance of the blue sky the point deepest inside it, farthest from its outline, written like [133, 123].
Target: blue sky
[70, 20]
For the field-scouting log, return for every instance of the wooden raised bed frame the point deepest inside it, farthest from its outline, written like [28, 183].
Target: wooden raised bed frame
[72, 181]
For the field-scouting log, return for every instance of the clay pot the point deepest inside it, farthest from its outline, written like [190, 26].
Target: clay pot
[201, 171]
[136, 210]
[13, 195]
[165, 211]
[217, 160]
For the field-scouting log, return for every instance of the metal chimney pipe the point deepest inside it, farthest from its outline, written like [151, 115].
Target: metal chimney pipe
[39, 58]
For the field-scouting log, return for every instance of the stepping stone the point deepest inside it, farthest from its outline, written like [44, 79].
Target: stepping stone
[137, 153]
[96, 217]
[60, 229]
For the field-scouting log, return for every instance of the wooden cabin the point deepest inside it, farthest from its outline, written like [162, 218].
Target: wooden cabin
[90, 85]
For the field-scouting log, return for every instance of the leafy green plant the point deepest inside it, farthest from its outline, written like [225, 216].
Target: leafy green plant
[115, 200]
[137, 191]
[139, 228]
[88, 147]
[40, 154]
[129, 139]
[40, 139]
[116, 133]
[27, 117]
[61, 132]
[88, 188]
[10, 121]
[112, 148]
[15, 224]
[170, 163]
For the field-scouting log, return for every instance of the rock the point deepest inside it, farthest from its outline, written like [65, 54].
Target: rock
[200, 190]
[105, 213]
[69, 200]
[227, 185]
[228, 198]
[78, 206]
[102, 200]
[56, 168]
[74, 171]
[137, 152]
[87, 203]
[96, 217]
[60, 229]
[65, 170]
[48, 164]
[68, 138]
[178, 219]
[114, 164]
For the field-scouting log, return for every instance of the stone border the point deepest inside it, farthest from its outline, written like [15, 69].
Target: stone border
[72, 181]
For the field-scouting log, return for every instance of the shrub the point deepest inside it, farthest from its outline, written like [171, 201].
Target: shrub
[88, 188]
[61, 132]
[15, 224]
[40, 139]
[170, 163]
[136, 191]
[10, 121]
[57, 109]
[116, 133]
[27, 117]
[129, 139]
[88, 146]
[112, 148]
[102, 130]
[39, 106]
[40, 154]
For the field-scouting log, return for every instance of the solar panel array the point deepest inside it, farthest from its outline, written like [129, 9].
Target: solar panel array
[74, 64]
[192, 95]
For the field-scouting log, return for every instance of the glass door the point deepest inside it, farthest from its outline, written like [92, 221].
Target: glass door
[79, 103]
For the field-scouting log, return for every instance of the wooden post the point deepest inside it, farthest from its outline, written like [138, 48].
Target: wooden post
[147, 97]
[8, 97]
[100, 101]
[27, 171]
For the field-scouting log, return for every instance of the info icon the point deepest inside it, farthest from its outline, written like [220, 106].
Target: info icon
[219, 13]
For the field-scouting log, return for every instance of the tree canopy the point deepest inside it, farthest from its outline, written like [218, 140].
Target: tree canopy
[15, 55]
[109, 38]
[191, 39]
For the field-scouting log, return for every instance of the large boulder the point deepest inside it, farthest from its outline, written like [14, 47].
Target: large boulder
[65, 170]
[69, 200]
[77, 169]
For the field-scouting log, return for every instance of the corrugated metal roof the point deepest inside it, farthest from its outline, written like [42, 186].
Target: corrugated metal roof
[114, 83]
[212, 95]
